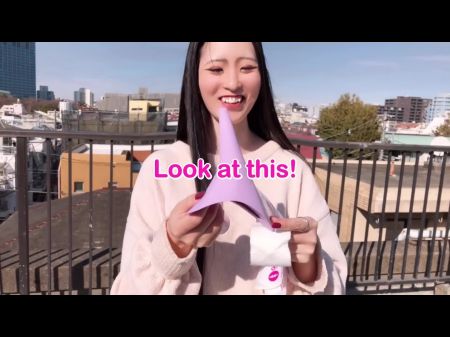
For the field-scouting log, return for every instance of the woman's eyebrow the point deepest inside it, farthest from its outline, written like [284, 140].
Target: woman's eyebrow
[238, 59]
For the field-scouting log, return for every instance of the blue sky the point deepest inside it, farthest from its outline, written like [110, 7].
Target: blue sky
[306, 73]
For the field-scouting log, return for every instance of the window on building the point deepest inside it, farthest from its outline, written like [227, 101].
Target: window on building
[78, 186]
[7, 141]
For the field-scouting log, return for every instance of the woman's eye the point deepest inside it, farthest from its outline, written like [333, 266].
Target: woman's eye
[215, 70]
[248, 68]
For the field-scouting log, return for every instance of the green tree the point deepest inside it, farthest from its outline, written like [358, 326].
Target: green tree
[349, 120]
[443, 130]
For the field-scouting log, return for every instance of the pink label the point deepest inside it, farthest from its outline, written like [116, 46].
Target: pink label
[273, 276]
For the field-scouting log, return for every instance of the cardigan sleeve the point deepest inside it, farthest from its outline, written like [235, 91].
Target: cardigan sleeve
[148, 263]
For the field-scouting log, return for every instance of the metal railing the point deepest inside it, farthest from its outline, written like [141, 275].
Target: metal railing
[398, 258]
[389, 233]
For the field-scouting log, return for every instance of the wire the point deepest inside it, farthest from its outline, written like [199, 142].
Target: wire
[352, 128]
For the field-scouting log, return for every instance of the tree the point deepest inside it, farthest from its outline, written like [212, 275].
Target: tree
[349, 120]
[7, 99]
[443, 130]
[32, 104]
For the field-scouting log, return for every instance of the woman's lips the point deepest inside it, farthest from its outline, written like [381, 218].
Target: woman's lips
[233, 106]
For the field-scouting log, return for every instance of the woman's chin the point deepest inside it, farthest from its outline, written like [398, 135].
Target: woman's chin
[238, 119]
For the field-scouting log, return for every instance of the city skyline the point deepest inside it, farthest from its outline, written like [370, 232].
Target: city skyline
[310, 73]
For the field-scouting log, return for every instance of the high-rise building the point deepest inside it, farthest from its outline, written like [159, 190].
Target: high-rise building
[438, 107]
[44, 94]
[392, 113]
[407, 109]
[84, 96]
[18, 68]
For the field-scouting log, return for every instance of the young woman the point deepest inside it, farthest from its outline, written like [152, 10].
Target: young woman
[162, 239]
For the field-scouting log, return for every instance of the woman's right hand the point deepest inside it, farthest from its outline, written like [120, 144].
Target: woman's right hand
[187, 231]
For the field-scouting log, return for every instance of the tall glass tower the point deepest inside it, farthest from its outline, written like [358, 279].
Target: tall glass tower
[18, 68]
[438, 107]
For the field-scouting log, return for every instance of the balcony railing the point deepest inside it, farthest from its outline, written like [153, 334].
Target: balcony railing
[391, 207]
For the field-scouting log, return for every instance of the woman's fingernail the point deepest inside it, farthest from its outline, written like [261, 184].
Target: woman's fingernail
[199, 195]
[276, 225]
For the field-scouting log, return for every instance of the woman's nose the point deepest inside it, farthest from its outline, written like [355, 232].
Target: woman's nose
[233, 81]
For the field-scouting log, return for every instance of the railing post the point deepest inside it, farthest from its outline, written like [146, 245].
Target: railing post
[22, 209]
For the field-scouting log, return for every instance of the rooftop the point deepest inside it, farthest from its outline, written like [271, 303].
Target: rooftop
[38, 225]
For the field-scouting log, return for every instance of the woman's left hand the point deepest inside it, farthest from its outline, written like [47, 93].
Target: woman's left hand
[303, 240]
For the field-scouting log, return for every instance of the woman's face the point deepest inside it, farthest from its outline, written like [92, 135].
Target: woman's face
[229, 77]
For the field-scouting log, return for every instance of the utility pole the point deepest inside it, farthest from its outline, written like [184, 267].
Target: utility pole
[117, 120]
[383, 136]
[78, 120]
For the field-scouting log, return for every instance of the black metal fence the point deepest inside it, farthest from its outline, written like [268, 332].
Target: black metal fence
[392, 219]
[404, 229]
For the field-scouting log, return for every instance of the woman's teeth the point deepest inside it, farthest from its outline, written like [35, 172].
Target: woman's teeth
[231, 100]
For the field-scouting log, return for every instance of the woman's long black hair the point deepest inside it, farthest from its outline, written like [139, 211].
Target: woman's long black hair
[195, 126]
